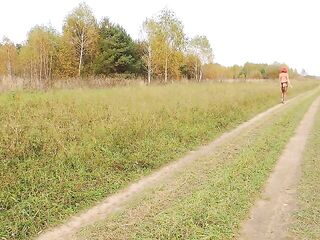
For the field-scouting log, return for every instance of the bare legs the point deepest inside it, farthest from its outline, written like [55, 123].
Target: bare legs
[284, 89]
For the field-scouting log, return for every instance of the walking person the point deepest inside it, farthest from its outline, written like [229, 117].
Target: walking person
[284, 83]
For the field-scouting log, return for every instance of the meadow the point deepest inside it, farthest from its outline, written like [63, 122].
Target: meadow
[211, 197]
[63, 150]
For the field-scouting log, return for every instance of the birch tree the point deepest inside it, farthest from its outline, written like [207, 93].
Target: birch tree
[165, 39]
[80, 29]
[200, 47]
[37, 56]
[148, 33]
[8, 55]
[170, 30]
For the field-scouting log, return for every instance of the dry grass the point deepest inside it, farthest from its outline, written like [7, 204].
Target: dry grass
[209, 198]
[61, 151]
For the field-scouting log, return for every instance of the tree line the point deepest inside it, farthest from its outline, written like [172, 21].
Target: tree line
[247, 71]
[88, 48]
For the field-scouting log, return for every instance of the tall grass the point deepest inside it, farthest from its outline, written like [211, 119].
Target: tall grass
[212, 196]
[61, 151]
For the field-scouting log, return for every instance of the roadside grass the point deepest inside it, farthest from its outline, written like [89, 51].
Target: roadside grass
[307, 219]
[211, 198]
[62, 151]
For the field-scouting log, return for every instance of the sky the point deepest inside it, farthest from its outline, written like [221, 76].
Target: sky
[240, 31]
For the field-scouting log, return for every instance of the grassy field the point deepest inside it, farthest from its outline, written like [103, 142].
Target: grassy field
[61, 151]
[307, 218]
[210, 199]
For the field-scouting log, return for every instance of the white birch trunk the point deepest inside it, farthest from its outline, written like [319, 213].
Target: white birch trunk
[9, 66]
[50, 67]
[196, 70]
[166, 70]
[149, 64]
[81, 53]
[40, 69]
[200, 77]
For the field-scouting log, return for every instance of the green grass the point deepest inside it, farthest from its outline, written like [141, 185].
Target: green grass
[307, 218]
[210, 199]
[61, 151]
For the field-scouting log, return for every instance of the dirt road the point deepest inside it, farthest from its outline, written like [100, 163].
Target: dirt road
[119, 200]
[270, 217]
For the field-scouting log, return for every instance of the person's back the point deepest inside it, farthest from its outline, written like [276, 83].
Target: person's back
[283, 77]
[284, 82]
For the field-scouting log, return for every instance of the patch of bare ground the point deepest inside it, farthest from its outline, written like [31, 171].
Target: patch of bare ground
[271, 216]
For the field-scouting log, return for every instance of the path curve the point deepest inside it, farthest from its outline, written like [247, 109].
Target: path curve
[270, 217]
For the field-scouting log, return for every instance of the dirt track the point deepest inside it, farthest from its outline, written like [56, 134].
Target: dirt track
[270, 217]
[117, 201]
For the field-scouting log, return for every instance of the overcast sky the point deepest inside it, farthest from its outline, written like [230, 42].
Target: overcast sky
[259, 31]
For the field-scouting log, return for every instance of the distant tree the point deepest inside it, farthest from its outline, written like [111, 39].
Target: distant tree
[263, 73]
[81, 31]
[38, 55]
[215, 71]
[150, 44]
[189, 66]
[255, 74]
[67, 59]
[118, 53]
[171, 31]
[243, 73]
[235, 71]
[200, 47]
[8, 56]
[273, 70]
[252, 70]
[166, 40]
